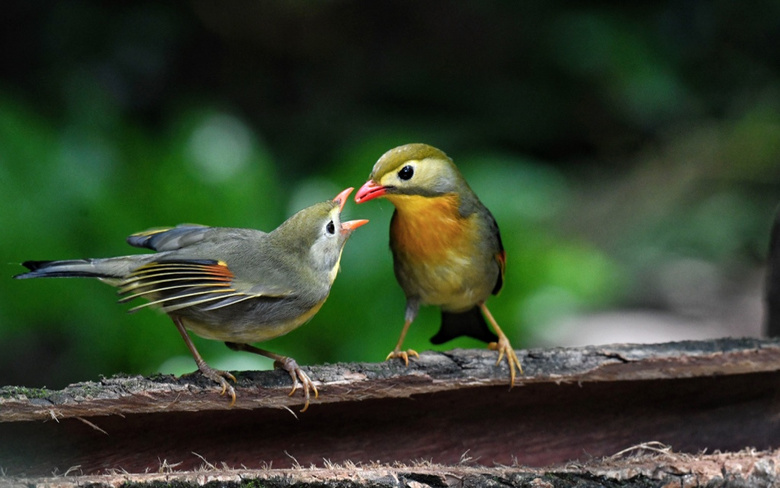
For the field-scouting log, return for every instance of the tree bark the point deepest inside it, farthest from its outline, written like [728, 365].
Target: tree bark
[451, 409]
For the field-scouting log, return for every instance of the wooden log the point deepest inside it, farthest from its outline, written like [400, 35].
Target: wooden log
[571, 404]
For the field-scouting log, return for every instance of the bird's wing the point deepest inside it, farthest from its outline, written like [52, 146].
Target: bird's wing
[169, 238]
[203, 283]
[500, 258]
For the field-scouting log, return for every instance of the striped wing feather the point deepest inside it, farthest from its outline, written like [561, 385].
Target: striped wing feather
[175, 285]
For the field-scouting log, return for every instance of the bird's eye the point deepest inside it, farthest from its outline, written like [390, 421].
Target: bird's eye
[331, 227]
[406, 172]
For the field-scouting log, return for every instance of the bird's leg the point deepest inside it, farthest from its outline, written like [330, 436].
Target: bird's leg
[286, 363]
[412, 306]
[502, 346]
[215, 375]
[397, 352]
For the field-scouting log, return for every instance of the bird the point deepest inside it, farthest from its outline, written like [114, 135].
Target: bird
[234, 285]
[446, 246]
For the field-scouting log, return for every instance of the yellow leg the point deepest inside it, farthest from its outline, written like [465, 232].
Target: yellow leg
[397, 352]
[503, 347]
[215, 375]
[286, 363]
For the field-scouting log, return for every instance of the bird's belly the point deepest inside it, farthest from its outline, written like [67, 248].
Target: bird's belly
[453, 284]
[248, 327]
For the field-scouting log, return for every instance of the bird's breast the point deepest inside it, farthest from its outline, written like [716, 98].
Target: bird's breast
[430, 230]
[435, 252]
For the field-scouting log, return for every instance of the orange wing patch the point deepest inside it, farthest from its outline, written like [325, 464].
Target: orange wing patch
[501, 260]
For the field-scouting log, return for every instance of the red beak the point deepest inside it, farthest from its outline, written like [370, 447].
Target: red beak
[350, 225]
[369, 191]
[341, 198]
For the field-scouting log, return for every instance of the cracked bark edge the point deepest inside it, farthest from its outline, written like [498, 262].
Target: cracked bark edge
[432, 372]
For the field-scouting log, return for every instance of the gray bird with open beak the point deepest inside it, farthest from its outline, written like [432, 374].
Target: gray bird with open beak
[234, 285]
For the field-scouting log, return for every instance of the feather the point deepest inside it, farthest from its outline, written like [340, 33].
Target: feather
[176, 285]
[229, 300]
[168, 238]
[210, 295]
[190, 282]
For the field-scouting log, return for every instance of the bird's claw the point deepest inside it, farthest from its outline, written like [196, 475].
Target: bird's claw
[504, 348]
[228, 388]
[299, 377]
[220, 377]
[404, 355]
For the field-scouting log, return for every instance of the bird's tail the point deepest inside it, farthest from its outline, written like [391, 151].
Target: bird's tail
[111, 268]
[470, 323]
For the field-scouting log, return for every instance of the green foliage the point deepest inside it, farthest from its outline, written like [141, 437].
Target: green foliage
[607, 140]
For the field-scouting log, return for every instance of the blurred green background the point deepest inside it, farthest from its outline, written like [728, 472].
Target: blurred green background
[629, 151]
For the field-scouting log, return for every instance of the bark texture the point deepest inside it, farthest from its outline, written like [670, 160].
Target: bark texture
[450, 413]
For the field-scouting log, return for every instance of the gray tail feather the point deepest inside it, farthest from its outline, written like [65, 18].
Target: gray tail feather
[72, 268]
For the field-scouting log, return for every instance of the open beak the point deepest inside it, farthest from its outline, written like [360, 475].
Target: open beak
[369, 191]
[341, 198]
[351, 225]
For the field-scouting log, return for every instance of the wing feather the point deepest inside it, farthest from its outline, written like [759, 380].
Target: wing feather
[168, 238]
[500, 257]
[174, 285]
[205, 296]
[229, 300]
[152, 288]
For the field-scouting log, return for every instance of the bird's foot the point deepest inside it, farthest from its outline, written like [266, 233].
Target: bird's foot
[220, 377]
[296, 373]
[505, 349]
[404, 355]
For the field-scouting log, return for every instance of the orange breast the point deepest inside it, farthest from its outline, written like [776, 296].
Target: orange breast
[430, 230]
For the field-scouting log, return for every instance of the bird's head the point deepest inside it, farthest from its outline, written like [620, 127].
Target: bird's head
[318, 234]
[412, 169]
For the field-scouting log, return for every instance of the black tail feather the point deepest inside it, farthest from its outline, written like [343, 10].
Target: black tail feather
[470, 323]
[57, 269]
[36, 265]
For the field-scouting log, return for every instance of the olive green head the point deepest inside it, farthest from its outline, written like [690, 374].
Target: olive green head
[413, 169]
[316, 234]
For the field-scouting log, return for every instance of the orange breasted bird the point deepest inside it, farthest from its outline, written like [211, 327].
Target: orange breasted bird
[446, 246]
[233, 285]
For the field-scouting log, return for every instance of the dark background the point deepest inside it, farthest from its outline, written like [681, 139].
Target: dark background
[629, 152]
